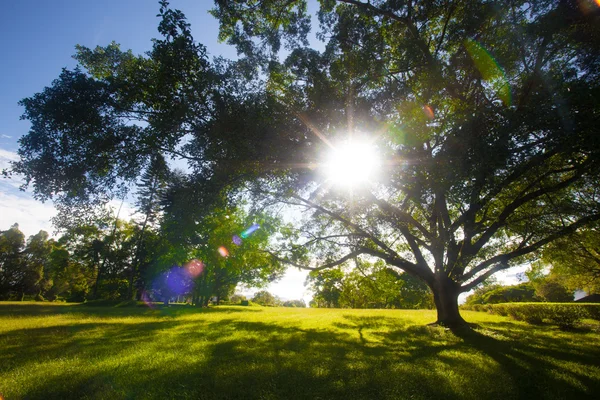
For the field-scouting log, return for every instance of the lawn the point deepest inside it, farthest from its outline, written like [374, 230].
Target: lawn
[58, 351]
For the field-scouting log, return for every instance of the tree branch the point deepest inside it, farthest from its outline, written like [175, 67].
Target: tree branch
[522, 250]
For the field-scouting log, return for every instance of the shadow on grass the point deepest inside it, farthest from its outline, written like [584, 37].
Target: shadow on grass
[550, 365]
[357, 357]
[33, 309]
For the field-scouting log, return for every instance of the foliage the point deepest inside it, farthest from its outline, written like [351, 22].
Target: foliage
[236, 298]
[576, 260]
[367, 286]
[523, 292]
[484, 112]
[283, 353]
[294, 303]
[12, 242]
[326, 287]
[565, 315]
[552, 290]
[265, 298]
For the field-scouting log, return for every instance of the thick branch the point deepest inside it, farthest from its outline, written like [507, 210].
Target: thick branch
[512, 207]
[504, 258]
[483, 277]
[321, 267]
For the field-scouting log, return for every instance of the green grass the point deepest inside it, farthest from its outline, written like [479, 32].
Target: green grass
[59, 351]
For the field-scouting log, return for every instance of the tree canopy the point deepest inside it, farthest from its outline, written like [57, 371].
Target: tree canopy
[483, 116]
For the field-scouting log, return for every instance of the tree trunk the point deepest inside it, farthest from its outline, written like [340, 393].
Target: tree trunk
[445, 296]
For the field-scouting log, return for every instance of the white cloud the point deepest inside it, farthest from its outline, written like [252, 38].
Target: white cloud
[5, 159]
[3, 136]
[7, 156]
[31, 215]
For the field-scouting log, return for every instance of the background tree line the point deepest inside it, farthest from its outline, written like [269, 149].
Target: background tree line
[167, 251]
[368, 286]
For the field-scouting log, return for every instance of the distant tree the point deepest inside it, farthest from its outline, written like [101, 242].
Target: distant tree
[214, 235]
[369, 286]
[12, 242]
[71, 278]
[294, 303]
[237, 298]
[478, 295]
[326, 286]
[36, 258]
[414, 293]
[265, 298]
[576, 259]
[151, 191]
[553, 290]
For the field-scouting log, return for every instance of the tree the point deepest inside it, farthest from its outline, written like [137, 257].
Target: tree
[482, 105]
[35, 262]
[552, 290]
[151, 190]
[576, 260]
[493, 294]
[294, 303]
[368, 286]
[484, 115]
[264, 298]
[12, 242]
[214, 238]
[326, 286]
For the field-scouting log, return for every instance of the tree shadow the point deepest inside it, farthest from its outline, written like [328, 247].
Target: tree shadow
[35, 309]
[351, 357]
[539, 365]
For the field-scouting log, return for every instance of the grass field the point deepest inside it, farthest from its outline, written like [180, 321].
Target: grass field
[73, 351]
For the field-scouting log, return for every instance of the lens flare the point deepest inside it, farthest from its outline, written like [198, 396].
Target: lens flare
[490, 70]
[428, 112]
[223, 251]
[174, 282]
[249, 231]
[146, 299]
[194, 268]
[236, 240]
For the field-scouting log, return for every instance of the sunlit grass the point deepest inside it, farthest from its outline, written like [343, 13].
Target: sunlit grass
[73, 351]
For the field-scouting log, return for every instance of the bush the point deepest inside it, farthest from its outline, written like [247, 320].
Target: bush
[565, 315]
[593, 310]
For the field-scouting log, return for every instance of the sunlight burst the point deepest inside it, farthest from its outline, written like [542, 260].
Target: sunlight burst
[352, 163]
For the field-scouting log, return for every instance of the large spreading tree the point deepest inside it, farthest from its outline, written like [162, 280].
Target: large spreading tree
[484, 116]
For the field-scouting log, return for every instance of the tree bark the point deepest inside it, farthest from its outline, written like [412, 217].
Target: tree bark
[445, 296]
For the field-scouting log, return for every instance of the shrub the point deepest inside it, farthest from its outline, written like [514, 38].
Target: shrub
[565, 315]
[592, 310]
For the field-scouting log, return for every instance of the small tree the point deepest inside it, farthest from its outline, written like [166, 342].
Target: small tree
[264, 298]
[12, 242]
[552, 290]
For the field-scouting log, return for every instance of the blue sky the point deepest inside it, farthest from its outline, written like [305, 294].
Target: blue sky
[38, 38]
